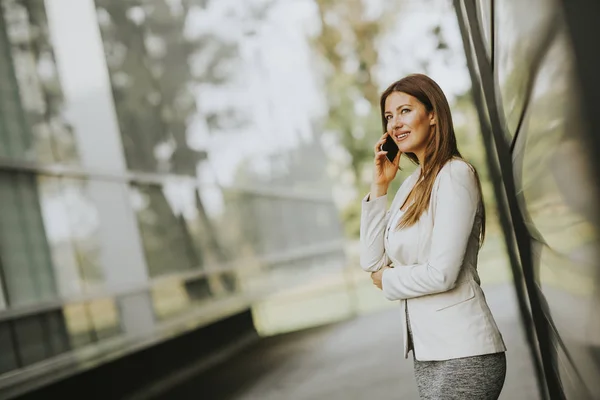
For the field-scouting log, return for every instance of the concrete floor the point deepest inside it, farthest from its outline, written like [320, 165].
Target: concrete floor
[348, 360]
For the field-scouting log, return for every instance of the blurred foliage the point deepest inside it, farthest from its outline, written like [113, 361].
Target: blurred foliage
[156, 67]
[149, 58]
[349, 43]
[48, 137]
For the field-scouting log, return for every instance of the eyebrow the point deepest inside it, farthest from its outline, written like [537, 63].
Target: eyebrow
[397, 108]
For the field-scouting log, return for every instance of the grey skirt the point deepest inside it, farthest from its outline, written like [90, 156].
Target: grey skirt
[469, 378]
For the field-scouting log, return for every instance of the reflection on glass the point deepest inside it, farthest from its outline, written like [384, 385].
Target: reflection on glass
[179, 235]
[79, 326]
[31, 343]
[170, 299]
[104, 317]
[33, 338]
[84, 228]
[277, 224]
[71, 222]
[521, 28]
[56, 221]
[243, 210]
[57, 337]
[213, 235]
[560, 206]
[294, 237]
[556, 184]
[168, 243]
[484, 15]
[149, 55]
[35, 125]
[8, 358]
[26, 261]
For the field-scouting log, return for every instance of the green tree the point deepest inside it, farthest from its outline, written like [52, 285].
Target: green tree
[350, 43]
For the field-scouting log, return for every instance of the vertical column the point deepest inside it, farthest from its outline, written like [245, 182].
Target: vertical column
[86, 85]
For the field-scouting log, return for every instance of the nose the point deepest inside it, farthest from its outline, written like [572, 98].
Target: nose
[397, 122]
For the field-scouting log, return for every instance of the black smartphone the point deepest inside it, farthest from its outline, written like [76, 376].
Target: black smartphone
[391, 148]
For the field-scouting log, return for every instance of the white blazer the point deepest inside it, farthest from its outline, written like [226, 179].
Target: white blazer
[434, 262]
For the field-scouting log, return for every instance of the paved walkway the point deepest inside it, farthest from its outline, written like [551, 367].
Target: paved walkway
[357, 359]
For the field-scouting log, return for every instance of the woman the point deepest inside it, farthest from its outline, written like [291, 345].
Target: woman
[423, 251]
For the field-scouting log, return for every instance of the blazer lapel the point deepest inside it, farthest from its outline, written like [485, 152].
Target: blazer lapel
[403, 193]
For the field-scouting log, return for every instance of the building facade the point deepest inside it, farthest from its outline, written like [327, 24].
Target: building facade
[115, 233]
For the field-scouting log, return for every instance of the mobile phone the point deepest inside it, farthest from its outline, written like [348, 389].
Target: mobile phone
[391, 148]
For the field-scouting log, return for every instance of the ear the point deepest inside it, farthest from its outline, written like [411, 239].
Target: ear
[432, 119]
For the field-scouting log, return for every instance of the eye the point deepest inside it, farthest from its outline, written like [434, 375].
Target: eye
[388, 117]
[405, 109]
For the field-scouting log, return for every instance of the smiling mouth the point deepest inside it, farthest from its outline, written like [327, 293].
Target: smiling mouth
[401, 136]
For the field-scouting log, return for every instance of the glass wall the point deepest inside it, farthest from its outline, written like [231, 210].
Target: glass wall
[38, 129]
[522, 33]
[534, 82]
[118, 222]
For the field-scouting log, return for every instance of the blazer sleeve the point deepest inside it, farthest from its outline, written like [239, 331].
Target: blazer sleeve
[455, 205]
[373, 221]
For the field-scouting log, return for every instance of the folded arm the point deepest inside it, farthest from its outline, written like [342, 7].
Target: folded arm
[373, 221]
[455, 205]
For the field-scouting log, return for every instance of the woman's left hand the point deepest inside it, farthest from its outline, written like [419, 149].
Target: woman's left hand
[377, 276]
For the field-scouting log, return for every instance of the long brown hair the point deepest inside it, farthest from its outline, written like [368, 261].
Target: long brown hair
[440, 149]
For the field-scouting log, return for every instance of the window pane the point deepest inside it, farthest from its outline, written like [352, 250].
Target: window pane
[105, 317]
[32, 106]
[31, 343]
[72, 224]
[244, 212]
[167, 241]
[58, 339]
[219, 236]
[56, 219]
[170, 299]
[15, 138]
[8, 360]
[79, 326]
[37, 247]
[26, 258]
[84, 225]
[19, 282]
[152, 82]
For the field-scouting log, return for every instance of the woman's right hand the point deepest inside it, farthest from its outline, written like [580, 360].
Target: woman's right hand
[384, 171]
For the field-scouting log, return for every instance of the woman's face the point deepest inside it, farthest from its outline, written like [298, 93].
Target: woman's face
[408, 122]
